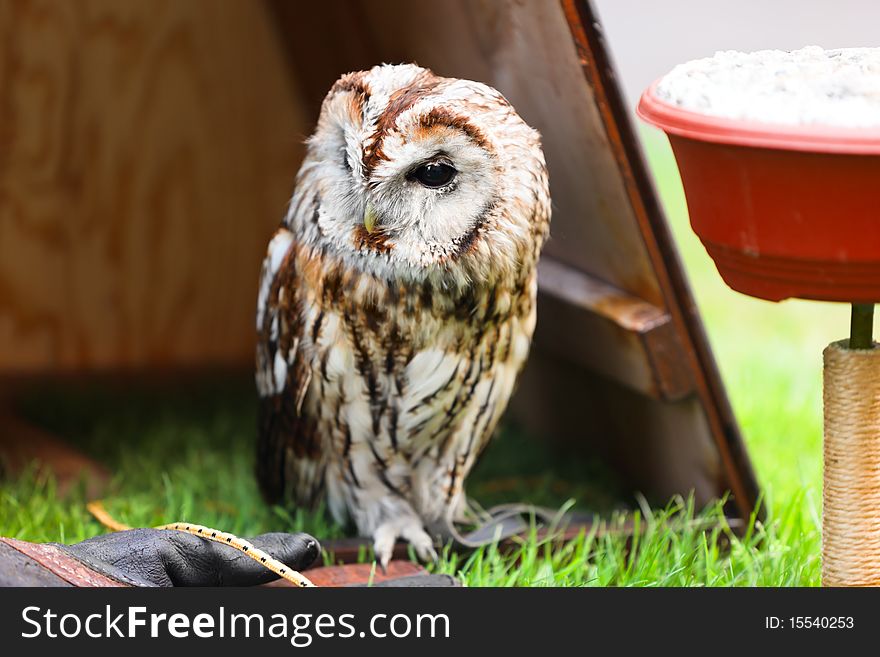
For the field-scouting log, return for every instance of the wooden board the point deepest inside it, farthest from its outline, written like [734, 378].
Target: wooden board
[147, 150]
[610, 332]
[355, 574]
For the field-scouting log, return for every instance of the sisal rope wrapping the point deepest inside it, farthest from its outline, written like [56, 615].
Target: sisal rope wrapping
[851, 492]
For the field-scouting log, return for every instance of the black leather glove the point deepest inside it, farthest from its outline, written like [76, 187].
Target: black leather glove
[161, 557]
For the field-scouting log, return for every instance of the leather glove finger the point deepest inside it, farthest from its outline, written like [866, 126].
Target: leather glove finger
[193, 561]
[154, 557]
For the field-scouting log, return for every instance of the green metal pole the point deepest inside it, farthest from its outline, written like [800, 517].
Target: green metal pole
[861, 328]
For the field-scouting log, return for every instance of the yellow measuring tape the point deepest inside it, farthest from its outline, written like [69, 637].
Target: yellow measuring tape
[97, 509]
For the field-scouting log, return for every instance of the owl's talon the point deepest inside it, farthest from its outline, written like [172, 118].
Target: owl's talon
[384, 539]
[427, 554]
[421, 542]
[410, 530]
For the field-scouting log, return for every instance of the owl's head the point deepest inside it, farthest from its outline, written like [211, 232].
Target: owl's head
[411, 173]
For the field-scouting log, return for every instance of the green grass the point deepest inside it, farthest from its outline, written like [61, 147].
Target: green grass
[187, 454]
[185, 450]
[180, 451]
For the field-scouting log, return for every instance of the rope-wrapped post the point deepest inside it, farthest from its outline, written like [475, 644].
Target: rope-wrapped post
[851, 492]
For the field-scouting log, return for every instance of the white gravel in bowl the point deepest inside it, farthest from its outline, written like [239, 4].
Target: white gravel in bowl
[811, 86]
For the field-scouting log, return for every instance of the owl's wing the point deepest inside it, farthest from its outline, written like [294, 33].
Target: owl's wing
[289, 459]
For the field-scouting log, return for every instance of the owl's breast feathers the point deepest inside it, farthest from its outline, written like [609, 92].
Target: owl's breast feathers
[363, 379]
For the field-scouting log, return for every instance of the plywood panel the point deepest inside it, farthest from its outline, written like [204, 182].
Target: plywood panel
[659, 449]
[147, 150]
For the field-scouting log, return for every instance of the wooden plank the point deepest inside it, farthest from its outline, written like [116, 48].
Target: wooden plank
[355, 574]
[147, 151]
[658, 448]
[598, 71]
[610, 332]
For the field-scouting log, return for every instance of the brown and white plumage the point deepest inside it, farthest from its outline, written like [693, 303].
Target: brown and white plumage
[397, 300]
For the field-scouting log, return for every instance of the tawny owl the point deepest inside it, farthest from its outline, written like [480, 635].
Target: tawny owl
[397, 301]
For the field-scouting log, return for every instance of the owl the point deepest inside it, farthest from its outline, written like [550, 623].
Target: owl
[397, 302]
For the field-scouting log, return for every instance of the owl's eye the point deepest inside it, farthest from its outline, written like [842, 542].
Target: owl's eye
[434, 174]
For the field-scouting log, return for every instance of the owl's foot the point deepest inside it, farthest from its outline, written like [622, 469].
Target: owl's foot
[409, 529]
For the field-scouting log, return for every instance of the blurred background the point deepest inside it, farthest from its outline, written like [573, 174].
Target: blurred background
[649, 38]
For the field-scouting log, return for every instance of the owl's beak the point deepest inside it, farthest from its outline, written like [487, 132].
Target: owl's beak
[370, 218]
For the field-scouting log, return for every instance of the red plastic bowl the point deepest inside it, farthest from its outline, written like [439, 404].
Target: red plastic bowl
[783, 211]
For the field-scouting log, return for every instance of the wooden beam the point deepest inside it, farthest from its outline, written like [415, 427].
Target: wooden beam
[598, 71]
[610, 332]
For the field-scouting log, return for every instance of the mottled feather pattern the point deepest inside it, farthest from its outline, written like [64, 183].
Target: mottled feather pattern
[386, 358]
